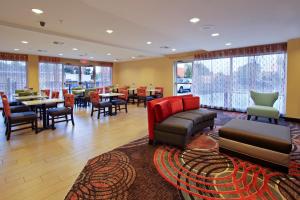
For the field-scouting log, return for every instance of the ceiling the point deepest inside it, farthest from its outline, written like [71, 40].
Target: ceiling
[82, 24]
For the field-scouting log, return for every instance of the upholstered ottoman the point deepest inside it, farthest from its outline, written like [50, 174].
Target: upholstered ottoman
[268, 144]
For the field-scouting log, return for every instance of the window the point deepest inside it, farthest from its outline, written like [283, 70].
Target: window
[103, 76]
[226, 82]
[50, 76]
[13, 76]
[87, 77]
[71, 76]
[183, 77]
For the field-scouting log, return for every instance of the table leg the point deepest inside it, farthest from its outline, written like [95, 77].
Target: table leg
[44, 117]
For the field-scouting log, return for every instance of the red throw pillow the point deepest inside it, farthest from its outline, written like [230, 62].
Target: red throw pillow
[191, 103]
[162, 110]
[176, 105]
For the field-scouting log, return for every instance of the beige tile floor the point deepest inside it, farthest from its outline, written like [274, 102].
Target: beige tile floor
[45, 166]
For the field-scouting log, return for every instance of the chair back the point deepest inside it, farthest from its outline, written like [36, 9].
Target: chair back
[6, 106]
[46, 92]
[64, 91]
[125, 92]
[107, 89]
[264, 99]
[94, 97]
[69, 100]
[159, 90]
[55, 95]
[143, 87]
[87, 92]
[141, 92]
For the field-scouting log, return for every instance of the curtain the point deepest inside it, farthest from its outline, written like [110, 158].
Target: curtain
[103, 76]
[226, 82]
[50, 76]
[13, 76]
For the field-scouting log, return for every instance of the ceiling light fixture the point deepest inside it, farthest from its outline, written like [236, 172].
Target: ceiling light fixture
[173, 49]
[109, 54]
[74, 49]
[228, 44]
[132, 57]
[24, 42]
[109, 31]
[149, 42]
[60, 54]
[215, 34]
[16, 49]
[194, 20]
[37, 11]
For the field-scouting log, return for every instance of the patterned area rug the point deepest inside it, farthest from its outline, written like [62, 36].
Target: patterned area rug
[141, 171]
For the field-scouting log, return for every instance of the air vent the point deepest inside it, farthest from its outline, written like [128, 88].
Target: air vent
[42, 50]
[165, 47]
[208, 27]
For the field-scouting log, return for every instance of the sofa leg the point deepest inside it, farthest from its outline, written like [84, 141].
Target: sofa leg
[270, 120]
[276, 121]
[248, 117]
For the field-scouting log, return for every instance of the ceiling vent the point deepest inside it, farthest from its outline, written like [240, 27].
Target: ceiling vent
[42, 51]
[58, 43]
[164, 47]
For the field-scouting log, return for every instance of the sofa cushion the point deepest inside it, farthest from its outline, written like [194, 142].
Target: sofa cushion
[191, 103]
[268, 136]
[175, 125]
[162, 110]
[176, 105]
[263, 111]
[204, 113]
[194, 117]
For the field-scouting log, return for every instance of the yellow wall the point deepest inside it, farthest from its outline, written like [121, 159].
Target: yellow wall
[293, 79]
[33, 72]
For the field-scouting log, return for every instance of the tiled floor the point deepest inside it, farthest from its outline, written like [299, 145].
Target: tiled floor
[44, 166]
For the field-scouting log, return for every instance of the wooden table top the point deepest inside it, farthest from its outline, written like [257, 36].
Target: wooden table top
[111, 94]
[23, 98]
[42, 101]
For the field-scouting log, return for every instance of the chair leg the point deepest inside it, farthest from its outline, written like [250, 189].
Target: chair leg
[92, 111]
[66, 118]
[256, 118]
[248, 117]
[32, 125]
[99, 110]
[8, 131]
[126, 108]
[36, 125]
[145, 103]
[72, 119]
[270, 120]
[276, 121]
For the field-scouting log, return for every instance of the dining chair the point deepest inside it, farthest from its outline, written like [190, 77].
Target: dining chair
[99, 106]
[159, 92]
[18, 119]
[122, 100]
[55, 115]
[64, 92]
[46, 92]
[142, 96]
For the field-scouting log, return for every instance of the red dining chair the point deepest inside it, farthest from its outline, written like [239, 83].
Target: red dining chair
[18, 119]
[64, 92]
[159, 92]
[55, 114]
[99, 106]
[142, 96]
[121, 100]
[46, 92]
[55, 95]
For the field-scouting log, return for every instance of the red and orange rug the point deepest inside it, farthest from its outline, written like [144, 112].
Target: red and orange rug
[141, 171]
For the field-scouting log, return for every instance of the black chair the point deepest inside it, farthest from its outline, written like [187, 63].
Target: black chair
[56, 114]
[102, 107]
[121, 101]
[18, 119]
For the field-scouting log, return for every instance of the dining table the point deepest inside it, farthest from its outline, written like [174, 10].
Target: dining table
[43, 103]
[110, 95]
[30, 97]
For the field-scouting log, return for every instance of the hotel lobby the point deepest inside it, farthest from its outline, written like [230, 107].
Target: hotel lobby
[108, 100]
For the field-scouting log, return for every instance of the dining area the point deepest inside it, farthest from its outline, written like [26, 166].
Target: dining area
[39, 111]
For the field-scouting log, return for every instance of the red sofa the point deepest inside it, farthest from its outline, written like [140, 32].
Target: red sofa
[173, 119]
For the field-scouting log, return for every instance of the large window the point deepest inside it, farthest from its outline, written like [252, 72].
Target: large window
[103, 76]
[226, 82]
[87, 77]
[183, 77]
[71, 76]
[13, 76]
[50, 76]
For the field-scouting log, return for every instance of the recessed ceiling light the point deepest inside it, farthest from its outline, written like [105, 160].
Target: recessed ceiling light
[60, 54]
[37, 11]
[149, 42]
[24, 42]
[16, 49]
[109, 31]
[109, 54]
[74, 49]
[228, 44]
[91, 57]
[215, 34]
[173, 49]
[115, 60]
[132, 57]
[194, 20]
